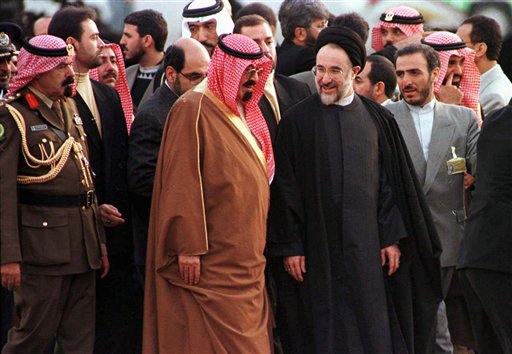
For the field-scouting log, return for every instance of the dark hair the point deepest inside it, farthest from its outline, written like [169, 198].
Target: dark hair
[382, 70]
[355, 22]
[248, 21]
[67, 22]
[428, 53]
[300, 13]
[149, 22]
[258, 8]
[488, 31]
[175, 57]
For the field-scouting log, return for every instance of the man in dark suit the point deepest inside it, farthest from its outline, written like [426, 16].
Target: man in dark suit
[186, 65]
[301, 22]
[281, 92]
[118, 304]
[485, 265]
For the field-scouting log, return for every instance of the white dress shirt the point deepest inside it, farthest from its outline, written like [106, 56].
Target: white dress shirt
[423, 118]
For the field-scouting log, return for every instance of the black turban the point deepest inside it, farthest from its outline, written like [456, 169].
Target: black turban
[346, 39]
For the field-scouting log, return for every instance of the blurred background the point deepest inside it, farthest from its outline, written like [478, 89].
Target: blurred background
[446, 15]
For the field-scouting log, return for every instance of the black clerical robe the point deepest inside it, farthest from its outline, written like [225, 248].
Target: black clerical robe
[344, 189]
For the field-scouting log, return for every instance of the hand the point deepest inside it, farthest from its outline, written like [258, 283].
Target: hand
[190, 269]
[11, 275]
[392, 253]
[105, 264]
[449, 93]
[295, 266]
[110, 215]
[468, 180]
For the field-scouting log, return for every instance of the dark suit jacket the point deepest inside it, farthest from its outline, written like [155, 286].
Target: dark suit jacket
[293, 59]
[144, 145]
[108, 155]
[487, 242]
[289, 92]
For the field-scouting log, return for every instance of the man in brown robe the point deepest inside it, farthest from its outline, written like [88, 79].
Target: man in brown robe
[205, 288]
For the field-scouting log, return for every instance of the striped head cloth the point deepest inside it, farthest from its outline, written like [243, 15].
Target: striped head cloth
[232, 56]
[447, 44]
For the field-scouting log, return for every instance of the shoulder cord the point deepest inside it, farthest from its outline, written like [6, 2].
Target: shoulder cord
[56, 162]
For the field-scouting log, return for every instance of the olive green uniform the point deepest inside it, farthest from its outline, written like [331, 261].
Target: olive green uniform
[52, 226]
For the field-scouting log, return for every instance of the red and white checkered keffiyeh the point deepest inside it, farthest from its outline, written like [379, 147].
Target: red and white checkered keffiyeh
[408, 29]
[121, 85]
[224, 75]
[470, 81]
[30, 65]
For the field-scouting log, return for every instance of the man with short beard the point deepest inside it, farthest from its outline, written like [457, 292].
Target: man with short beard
[301, 22]
[143, 41]
[205, 21]
[50, 235]
[343, 199]
[186, 65]
[100, 109]
[436, 134]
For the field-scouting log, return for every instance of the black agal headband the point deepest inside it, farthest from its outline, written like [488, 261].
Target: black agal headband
[447, 46]
[68, 50]
[204, 11]
[391, 17]
[236, 53]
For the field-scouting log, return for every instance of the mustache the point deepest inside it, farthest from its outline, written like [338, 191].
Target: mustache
[110, 74]
[68, 81]
[249, 84]
[409, 87]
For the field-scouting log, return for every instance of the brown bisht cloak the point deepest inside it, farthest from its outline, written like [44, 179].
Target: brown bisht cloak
[210, 198]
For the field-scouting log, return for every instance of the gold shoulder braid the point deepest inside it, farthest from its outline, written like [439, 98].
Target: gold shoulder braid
[55, 161]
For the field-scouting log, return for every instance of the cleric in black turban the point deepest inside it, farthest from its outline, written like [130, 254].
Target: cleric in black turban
[356, 250]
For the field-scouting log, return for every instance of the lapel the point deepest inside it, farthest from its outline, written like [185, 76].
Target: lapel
[131, 75]
[50, 116]
[93, 136]
[440, 143]
[406, 124]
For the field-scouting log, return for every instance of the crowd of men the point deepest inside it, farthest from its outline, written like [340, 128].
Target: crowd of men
[231, 195]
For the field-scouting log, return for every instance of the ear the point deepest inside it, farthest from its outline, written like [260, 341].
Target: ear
[435, 75]
[300, 34]
[170, 74]
[355, 70]
[480, 50]
[72, 41]
[147, 41]
[379, 88]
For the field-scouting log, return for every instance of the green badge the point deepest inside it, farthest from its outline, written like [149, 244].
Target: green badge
[2, 132]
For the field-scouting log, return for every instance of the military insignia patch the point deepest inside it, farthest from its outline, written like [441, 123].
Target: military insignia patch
[2, 132]
[32, 101]
[38, 128]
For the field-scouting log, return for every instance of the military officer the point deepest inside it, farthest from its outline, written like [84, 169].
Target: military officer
[50, 233]
[8, 32]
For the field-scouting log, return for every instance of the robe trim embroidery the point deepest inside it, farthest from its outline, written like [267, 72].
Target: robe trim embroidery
[199, 172]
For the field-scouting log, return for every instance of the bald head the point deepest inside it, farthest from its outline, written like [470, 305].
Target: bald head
[186, 64]
[41, 25]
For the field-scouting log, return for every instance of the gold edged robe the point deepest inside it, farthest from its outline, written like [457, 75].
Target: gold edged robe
[210, 198]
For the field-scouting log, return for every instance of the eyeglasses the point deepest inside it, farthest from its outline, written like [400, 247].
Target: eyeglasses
[334, 73]
[194, 78]
[250, 72]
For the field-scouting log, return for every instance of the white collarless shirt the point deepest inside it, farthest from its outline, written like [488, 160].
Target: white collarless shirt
[423, 118]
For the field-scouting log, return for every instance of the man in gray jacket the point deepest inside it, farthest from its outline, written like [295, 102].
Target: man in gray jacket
[441, 139]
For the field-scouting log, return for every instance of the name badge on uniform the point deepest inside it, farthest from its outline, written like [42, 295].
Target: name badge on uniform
[456, 164]
[39, 127]
[77, 119]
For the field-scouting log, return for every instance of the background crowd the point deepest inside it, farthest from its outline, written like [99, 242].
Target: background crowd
[368, 136]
